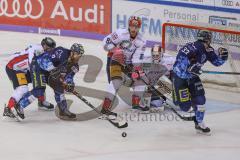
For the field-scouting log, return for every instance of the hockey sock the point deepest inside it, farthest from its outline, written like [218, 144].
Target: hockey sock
[11, 102]
[41, 98]
[106, 104]
[199, 113]
[135, 100]
[27, 99]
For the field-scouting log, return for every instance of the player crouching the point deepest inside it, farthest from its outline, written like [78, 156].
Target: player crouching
[156, 65]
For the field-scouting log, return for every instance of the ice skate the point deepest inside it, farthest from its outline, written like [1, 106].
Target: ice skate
[7, 113]
[106, 112]
[45, 105]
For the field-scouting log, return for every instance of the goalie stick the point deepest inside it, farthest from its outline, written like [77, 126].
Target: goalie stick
[189, 118]
[218, 72]
[116, 124]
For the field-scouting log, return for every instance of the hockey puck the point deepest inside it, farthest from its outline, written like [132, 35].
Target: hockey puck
[124, 134]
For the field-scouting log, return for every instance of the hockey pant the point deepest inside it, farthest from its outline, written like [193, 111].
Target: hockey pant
[189, 93]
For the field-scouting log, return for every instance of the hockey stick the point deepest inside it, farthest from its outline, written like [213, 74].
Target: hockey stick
[116, 124]
[218, 72]
[191, 118]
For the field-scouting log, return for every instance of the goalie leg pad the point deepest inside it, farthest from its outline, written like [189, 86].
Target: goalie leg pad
[113, 87]
[154, 96]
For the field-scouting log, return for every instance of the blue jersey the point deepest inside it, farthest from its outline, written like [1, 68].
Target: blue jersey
[194, 53]
[57, 58]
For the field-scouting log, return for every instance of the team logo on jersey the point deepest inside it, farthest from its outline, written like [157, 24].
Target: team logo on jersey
[74, 69]
[125, 44]
[15, 7]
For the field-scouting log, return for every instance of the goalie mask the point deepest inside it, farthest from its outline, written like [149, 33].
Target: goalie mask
[156, 53]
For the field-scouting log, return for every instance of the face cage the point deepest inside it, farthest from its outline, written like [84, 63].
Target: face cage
[156, 56]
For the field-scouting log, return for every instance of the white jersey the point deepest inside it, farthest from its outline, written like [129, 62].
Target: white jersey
[133, 49]
[155, 71]
[20, 61]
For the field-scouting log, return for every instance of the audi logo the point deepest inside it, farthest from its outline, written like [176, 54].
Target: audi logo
[28, 8]
[227, 3]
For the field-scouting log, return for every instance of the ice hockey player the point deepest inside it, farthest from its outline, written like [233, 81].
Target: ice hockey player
[155, 65]
[18, 69]
[188, 90]
[57, 68]
[125, 47]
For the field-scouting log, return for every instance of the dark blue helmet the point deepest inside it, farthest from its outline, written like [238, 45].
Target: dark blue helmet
[204, 36]
[78, 48]
[48, 41]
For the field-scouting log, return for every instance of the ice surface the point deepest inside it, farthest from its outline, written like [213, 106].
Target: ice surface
[43, 136]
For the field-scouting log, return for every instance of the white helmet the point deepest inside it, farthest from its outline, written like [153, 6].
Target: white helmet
[156, 53]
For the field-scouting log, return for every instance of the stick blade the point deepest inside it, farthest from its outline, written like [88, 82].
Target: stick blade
[118, 124]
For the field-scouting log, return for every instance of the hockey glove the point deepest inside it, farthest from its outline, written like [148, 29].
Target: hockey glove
[223, 53]
[137, 73]
[195, 69]
[69, 87]
[118, 55]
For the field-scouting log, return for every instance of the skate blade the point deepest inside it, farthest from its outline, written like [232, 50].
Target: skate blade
[9, 119]
[105, 117]
[139, 111]
[45, 109]
[203, 133]
[156, 110]
[17, 118]
[67, 118]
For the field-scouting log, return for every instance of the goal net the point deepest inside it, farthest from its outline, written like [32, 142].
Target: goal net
[175, 35]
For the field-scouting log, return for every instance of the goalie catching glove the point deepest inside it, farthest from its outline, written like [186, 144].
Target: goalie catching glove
[137, 73]
[68, 87]
[223, 53]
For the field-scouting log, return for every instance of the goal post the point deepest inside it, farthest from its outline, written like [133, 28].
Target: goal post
[177, 34]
